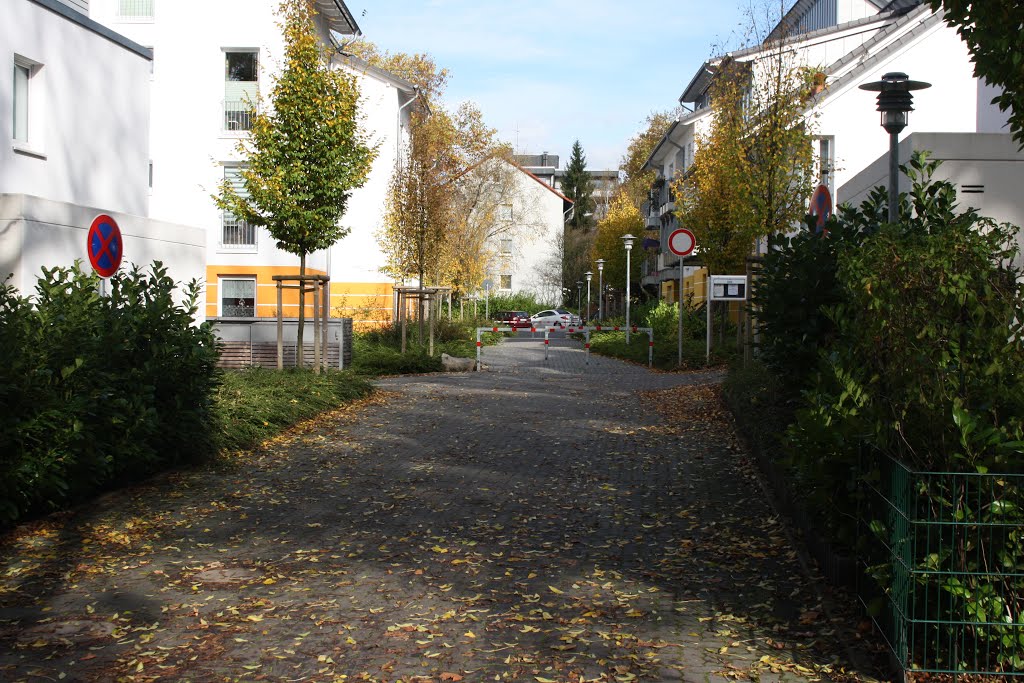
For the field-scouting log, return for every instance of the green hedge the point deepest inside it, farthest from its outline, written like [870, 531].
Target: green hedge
[97, 390]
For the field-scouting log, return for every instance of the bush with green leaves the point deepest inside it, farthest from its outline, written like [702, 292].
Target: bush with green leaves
[928, 358]
[796, 284]
[98, 390]
[921, 361]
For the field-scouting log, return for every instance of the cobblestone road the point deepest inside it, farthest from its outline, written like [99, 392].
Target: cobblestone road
[538, 521]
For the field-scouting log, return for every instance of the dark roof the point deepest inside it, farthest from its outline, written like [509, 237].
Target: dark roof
[900, 5]
[537, 160]
[338, 17]
[383, 74]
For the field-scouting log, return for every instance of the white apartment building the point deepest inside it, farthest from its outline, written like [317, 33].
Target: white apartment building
[850, 43]
[75, 110]
[204, 71]
[522, 233]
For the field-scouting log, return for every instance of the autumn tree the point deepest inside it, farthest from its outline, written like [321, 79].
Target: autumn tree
[637, 181]
[992, 31]
[623, 218]
[711, 199]
[491, 208]
[751, 174]
[439, 225]
[305, 153]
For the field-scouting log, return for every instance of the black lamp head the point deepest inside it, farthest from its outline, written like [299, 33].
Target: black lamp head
[895, 101]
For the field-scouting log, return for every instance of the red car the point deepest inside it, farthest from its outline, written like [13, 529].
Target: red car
[514, 319]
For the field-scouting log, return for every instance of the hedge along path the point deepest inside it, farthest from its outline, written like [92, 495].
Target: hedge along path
[530, 523]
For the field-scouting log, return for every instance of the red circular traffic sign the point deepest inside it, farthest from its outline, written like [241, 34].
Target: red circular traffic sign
[681, 242]
[104, 245]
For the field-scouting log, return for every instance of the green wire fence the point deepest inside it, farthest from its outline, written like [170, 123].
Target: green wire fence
[946, 568]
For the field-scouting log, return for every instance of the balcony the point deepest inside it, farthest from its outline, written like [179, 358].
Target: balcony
[666, 199]
[236, 234]
[237, 116]
[135, 10]
[651, 219]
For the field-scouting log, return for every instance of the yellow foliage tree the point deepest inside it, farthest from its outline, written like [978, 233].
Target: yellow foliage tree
[623, 218]
[751, 175]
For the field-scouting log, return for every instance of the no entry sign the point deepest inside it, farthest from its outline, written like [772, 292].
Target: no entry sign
[104, 245]
[681, 242]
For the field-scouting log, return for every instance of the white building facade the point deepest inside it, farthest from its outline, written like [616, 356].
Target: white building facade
[204, 74]
[75, 109]
[523, 228]
[849, 43]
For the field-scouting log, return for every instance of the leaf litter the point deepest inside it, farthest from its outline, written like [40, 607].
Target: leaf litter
[417, 536]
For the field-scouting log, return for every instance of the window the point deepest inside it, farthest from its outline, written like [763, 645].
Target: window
[236, 233]
[241, 70]
[135, 9]
[506, 247]
[506, 282]
[825, 160]
[505, 212]
[21, 77]
[27, 105]
[238, 297]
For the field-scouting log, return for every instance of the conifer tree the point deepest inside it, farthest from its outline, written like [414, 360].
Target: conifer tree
[578, 186]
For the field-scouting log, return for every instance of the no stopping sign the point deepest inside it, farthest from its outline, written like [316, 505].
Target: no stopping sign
[104, 245]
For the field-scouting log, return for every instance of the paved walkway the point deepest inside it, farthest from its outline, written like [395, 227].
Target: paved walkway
[539, 521]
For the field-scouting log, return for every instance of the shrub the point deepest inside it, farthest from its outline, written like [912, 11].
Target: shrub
[98, 390]
[256, 403]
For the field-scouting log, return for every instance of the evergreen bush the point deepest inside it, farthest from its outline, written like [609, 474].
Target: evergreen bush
[99, 389]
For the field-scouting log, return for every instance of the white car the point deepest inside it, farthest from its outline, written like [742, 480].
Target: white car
[554, 317]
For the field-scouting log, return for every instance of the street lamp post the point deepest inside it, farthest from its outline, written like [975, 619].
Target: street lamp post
[579, 295]
[589, 275]
[894, 102]
[627, 240]
[600, 289]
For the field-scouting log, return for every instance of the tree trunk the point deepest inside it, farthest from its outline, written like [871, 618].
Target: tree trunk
[302, 311]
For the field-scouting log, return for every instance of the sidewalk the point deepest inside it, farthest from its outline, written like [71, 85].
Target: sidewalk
[538, 521]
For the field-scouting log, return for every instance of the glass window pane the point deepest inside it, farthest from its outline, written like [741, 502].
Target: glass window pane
[21, 75]
[238, 298]
[241, 66]
[234, 231]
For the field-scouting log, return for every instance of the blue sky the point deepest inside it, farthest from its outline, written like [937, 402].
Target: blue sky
[547, 73]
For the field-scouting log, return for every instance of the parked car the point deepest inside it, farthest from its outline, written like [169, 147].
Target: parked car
[552, 318]
[574, 320]
[514, 319]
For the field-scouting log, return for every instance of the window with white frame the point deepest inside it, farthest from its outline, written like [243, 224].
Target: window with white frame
[236, 233]
[238, 297]
[505, 212]
[826, 156]
[27, 105]
[506, 247]
[136, 10]
[505, 282]
[241, 72]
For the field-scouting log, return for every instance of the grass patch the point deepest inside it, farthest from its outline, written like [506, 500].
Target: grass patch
[255, 404]
[666, 351]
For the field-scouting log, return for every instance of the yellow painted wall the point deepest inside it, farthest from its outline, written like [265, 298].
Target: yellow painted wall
[266, 289]
[367, 303]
